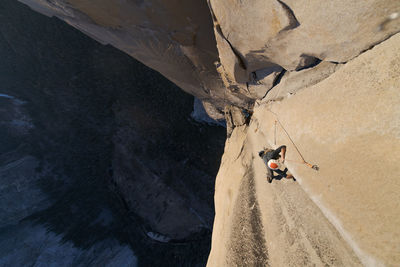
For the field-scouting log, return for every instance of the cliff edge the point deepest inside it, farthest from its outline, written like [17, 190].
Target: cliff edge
[328, 72]
[346, 213]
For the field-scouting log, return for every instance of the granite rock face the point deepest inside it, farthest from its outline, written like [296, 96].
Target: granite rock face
[173, 37]
[256, 40]
[97, 159]
[296, 34]
[320, 66]
[293, 81]
[345, 214]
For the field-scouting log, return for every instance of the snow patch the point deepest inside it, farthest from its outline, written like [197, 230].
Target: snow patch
[14, 99]
[7, 96]
[158, 237]
[36, 246]
[199, 114]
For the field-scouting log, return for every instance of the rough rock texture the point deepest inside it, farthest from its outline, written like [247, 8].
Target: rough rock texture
[294, 81]
[345, 214]
[172, 37]
[294, 34]
[256, 40]
[259, 40]
[97, 160]
[234, 117]
[262, 224]
[311, 63]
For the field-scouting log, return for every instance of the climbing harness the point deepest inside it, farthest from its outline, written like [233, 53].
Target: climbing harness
[314, 167]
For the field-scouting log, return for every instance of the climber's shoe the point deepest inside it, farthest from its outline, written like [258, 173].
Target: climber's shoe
[289, 176]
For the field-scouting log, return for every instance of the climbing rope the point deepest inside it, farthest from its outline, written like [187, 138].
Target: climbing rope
[315, 167]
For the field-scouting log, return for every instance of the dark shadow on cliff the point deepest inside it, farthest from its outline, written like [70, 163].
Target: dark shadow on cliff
[73, 88]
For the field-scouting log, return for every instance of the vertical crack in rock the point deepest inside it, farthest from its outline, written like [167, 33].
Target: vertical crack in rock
[293, 22]
[240, 57]
[369, 48]
[278, 78]
[276, 81]
[234, 116]
[247, 246]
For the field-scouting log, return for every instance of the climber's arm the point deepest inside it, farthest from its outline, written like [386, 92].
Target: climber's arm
[283, 152]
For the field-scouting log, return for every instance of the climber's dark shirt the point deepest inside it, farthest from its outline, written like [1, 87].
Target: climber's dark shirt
[274, 154]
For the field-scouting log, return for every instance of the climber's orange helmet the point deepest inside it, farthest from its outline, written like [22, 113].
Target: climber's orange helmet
[273, 164]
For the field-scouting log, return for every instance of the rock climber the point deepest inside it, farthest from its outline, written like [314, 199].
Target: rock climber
[271, 159]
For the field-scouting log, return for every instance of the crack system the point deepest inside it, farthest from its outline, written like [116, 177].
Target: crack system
[242, 61]
[293, 22]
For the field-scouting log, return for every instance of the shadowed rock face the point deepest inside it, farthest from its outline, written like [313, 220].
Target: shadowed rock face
[173, 37]
[256, 41]
[300, 58]
[100, 159]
